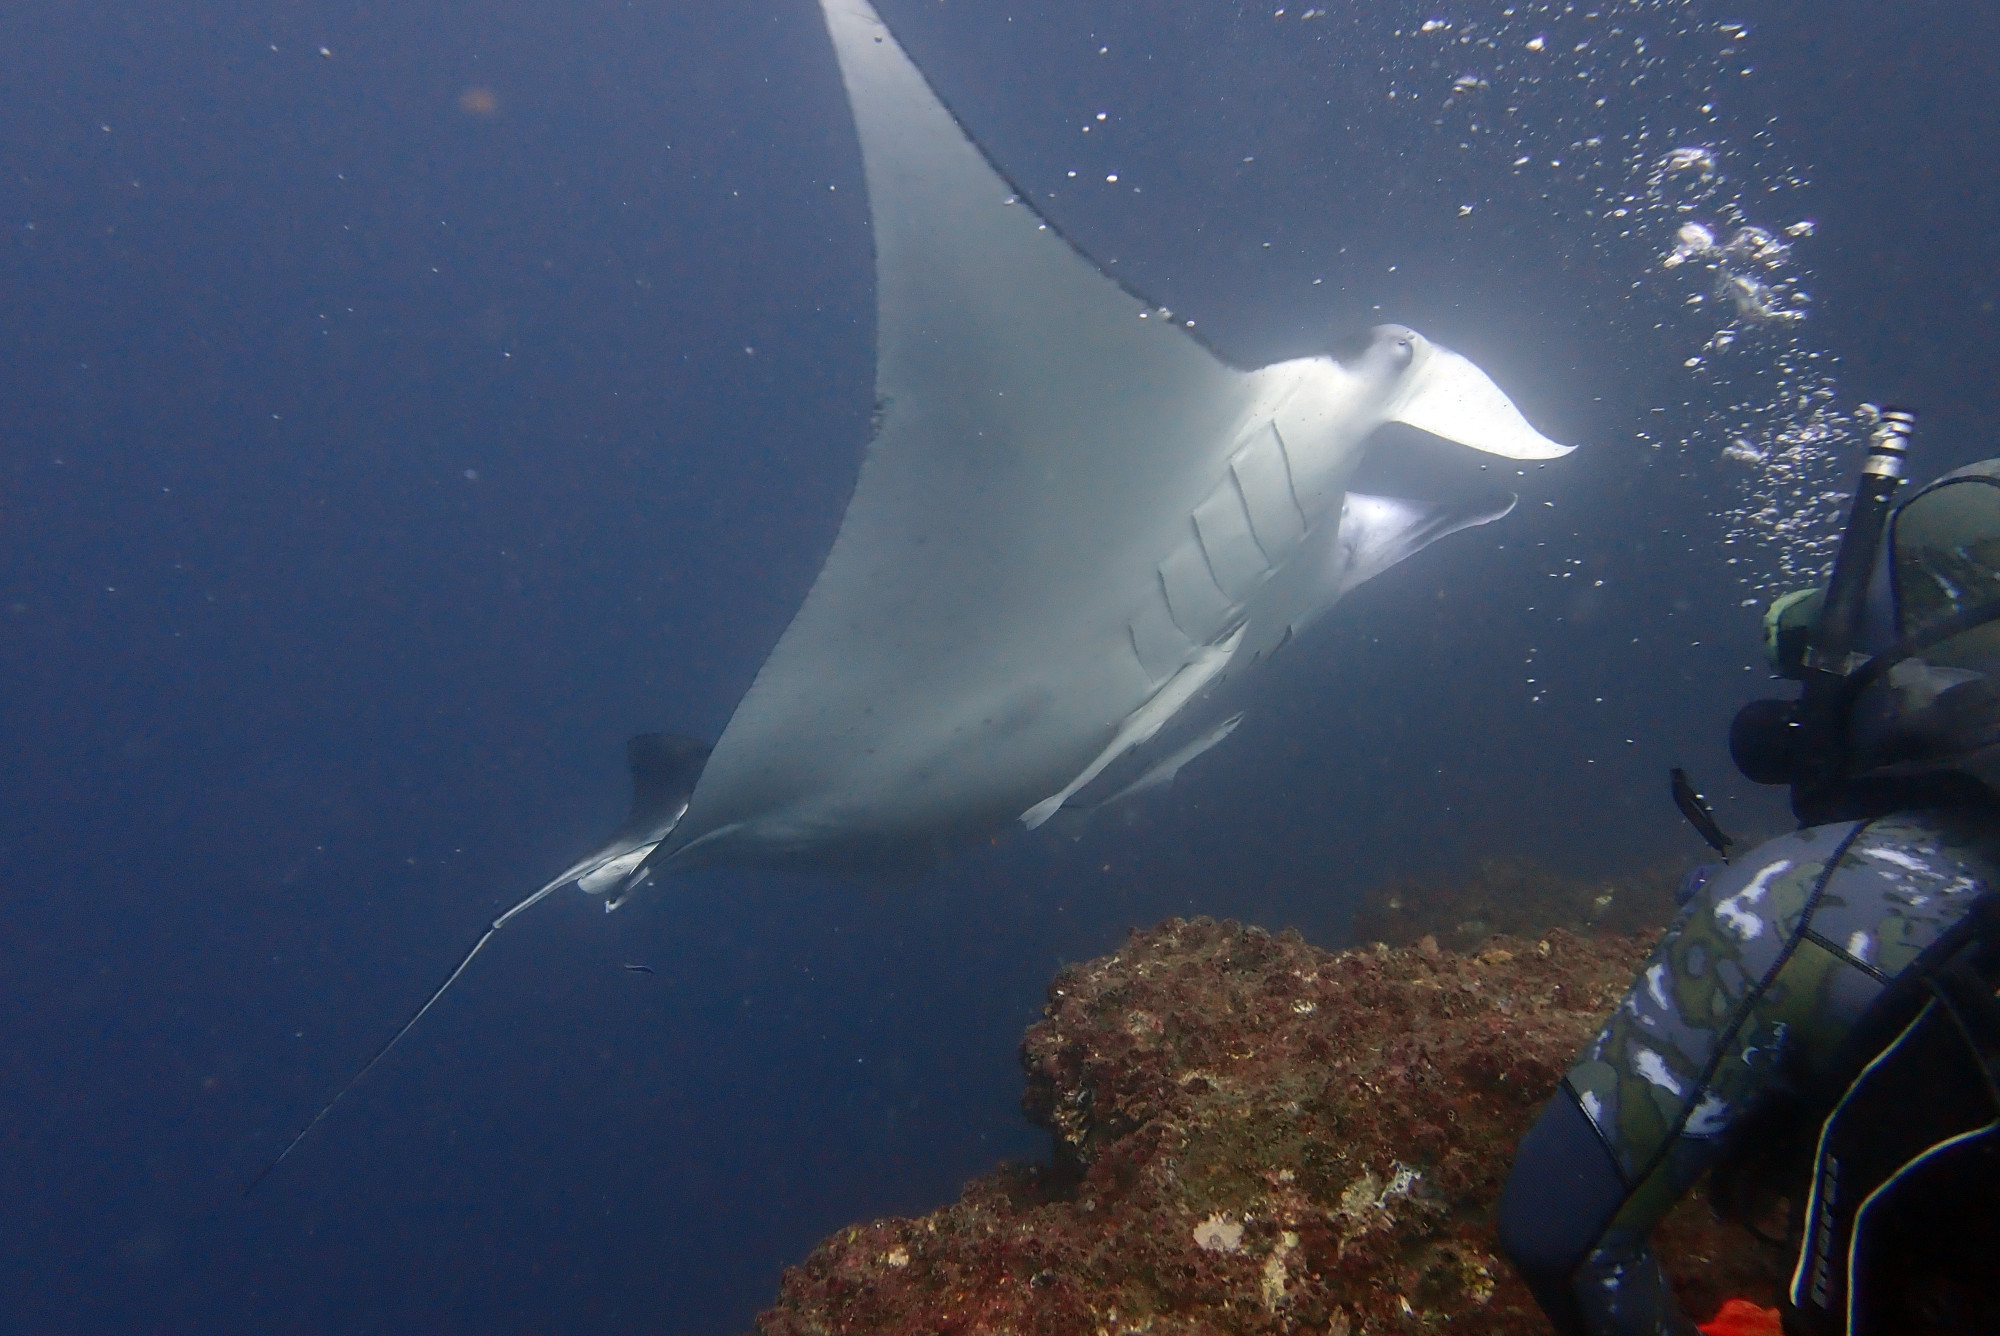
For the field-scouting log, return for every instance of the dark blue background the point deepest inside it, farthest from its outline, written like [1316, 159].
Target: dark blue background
[373, 468]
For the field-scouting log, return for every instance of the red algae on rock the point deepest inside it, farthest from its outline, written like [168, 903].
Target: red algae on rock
[1255, 1135]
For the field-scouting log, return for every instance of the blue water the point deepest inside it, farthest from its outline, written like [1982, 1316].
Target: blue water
[390, 432]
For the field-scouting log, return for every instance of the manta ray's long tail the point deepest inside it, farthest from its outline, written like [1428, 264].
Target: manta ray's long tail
[665, 769]
[408, 1025]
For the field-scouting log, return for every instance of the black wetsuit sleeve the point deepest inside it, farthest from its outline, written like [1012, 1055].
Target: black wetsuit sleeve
[1753, 990]
[1577, 1235]
[1563, 1191]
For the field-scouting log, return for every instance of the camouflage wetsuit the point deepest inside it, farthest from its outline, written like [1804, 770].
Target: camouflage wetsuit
[1754, 987]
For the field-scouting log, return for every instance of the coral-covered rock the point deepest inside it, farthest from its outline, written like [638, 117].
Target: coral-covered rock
[1254, 1135]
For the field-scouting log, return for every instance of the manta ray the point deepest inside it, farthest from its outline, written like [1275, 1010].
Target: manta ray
[1073, 520]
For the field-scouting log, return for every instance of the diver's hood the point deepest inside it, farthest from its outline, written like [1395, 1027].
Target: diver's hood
[1929, 700]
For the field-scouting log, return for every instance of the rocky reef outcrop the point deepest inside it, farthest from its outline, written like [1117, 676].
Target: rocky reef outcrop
[1254, 1135]
[1517, 896]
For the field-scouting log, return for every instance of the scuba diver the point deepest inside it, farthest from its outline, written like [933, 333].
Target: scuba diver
[1819, 1025]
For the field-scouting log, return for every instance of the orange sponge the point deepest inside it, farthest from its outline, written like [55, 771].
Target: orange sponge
[1740, 1317]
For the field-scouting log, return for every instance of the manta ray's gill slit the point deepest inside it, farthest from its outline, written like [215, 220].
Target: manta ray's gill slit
[1222, 525]
[1200, 606]
[1235, 483]
[1263, 474]
[1159, 644]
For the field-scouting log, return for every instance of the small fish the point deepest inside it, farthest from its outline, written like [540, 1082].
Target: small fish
[640, 969]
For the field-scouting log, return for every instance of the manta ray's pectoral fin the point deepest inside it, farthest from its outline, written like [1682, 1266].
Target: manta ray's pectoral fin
[1199, 671]
[1446, 395]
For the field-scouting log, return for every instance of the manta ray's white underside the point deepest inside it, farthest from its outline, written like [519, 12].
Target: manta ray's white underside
[1073, 519]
